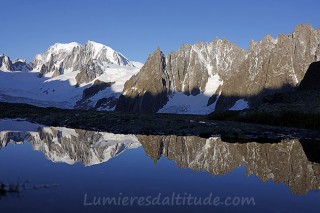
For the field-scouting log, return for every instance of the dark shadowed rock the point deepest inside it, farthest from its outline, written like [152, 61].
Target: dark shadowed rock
[106, 103]
[21, 65]
[311, 80]
[272, 66]
[91, 91]
[95, 88]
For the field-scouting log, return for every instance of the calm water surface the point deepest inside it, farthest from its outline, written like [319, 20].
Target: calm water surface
[72, 170]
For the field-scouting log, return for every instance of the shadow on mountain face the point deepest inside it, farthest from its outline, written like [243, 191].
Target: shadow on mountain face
[267, 95]
[146, 103]
[21, 87]
[152, 103]
[94, 89]
[27, 87]
[311, 80]
[312, 150]
[289, 106]
[304, 94]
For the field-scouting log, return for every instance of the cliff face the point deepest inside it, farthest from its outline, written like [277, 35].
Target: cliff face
[193, 65]
[284, 162]
[224, 73]
[273, 65]
[146, 91]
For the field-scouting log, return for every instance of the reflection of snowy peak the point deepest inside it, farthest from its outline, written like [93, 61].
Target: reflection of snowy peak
[65, 145]
[73, 145]
[61, 58]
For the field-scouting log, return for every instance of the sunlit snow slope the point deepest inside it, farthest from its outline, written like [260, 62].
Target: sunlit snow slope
[54, 80]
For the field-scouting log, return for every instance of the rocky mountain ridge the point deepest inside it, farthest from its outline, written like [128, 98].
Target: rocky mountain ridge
[196, 79]
[225, 74]
[89, 59]
[7, 65]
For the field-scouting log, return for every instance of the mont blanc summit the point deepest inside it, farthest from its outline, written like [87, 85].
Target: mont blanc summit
[59, 76]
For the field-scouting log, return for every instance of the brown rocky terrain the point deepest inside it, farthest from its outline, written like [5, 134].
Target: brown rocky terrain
[268, 66]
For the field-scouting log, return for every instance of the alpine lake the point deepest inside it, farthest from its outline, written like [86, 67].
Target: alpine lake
[59, 169]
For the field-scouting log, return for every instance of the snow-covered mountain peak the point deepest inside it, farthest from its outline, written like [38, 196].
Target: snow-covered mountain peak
[20, 60]
[68, 69]
[97, 46]
[98, 50]
[54, 55]
[5, 63]
[63, 47]
[65, 58]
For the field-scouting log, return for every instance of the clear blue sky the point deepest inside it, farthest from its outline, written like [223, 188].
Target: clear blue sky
[137, 27]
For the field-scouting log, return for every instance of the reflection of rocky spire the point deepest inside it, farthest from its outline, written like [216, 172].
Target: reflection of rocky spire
[15, 137]
[71, 146]
[284, 162]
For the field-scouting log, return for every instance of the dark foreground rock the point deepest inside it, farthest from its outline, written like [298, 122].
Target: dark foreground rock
[153, 124]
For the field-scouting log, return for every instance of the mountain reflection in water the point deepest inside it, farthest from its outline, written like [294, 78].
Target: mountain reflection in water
[291, 162]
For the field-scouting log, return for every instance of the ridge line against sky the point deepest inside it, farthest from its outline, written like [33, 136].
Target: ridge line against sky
[136, 28]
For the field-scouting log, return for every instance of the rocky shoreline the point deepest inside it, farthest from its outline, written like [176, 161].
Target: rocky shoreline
[154, 124]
